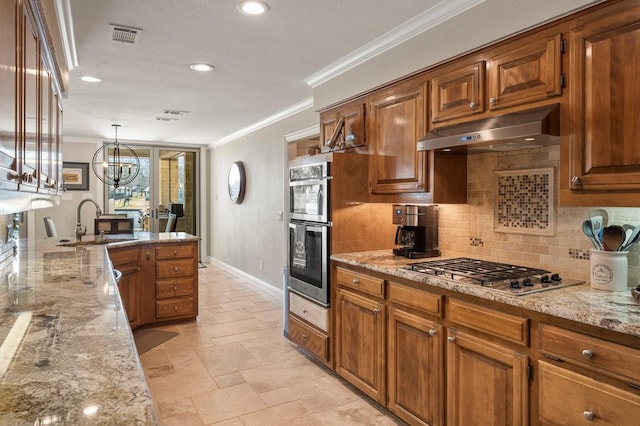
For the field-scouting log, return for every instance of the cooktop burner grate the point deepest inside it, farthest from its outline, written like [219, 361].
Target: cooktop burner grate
[515, 279]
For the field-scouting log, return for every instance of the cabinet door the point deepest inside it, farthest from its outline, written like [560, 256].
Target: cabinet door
[397, 121]
[487, 384]
[8, 100]
[128, 287]
[529, 73]
[360, 343]
[30, 148]
[416, 366]
[46, 141]
[353, 133]
[604, 153]
[457, 92]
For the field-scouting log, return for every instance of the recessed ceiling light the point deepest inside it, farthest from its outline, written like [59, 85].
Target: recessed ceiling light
[253, 7]
[90, 79]
[202, 67]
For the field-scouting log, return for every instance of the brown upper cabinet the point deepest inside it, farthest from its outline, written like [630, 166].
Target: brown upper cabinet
[352, 133]
[396, 121]
[603, 153]
[8, 89]
[457, 91]
[530, 71]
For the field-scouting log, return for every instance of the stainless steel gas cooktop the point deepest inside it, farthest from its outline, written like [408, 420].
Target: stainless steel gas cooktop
[513, 279]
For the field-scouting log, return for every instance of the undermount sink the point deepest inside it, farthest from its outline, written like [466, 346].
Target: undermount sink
[95, 242]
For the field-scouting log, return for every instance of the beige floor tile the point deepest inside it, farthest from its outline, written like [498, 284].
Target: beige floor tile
[177, 407]
[180, 385]
[355, 413]
[286, 373]
[186, 419]
[310, 394]
[230, 328]
[225, 359]
[226, 403]
[229, 380]
[292, 413]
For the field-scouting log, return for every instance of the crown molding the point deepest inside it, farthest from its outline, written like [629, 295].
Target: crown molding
[302, 134]
[292, 110]
[422, 22]
[65, 22]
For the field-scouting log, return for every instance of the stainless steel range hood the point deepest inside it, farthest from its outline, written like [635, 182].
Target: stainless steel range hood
[519, 130]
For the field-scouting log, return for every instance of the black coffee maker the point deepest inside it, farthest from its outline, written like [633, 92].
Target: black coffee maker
[417, 233]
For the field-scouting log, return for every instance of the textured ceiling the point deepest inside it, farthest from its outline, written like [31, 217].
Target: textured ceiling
[260, 62]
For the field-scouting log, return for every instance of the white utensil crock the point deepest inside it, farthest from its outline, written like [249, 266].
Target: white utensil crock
[609, 270]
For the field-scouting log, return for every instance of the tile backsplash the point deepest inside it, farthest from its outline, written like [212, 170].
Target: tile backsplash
[468, 229]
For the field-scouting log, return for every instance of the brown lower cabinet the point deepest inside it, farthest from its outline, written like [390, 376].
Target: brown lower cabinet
[159, 281]
[436, 357]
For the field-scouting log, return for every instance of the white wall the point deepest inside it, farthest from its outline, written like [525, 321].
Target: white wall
[242, 235]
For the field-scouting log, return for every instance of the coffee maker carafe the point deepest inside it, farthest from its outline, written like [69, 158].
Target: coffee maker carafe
[417, 233]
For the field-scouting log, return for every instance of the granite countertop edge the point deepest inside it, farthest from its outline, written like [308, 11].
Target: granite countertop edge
[617, 311]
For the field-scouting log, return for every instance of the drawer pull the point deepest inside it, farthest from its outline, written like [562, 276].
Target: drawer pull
[587, 354]
[355, 281]
[175, 288]
[634, 386]
[451, 339]
[588, 415]
[304, 311]
[175, 252]
[175, 307]
[148, 255]
[432, 332]
[473, 105]
[175, 268]
[376, 311]
[305, 336]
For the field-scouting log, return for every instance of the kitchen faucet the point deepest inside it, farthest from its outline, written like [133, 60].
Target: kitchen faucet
[79, 231]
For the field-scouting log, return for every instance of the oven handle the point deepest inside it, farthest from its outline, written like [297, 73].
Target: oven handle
[312, 226]
[315, 181]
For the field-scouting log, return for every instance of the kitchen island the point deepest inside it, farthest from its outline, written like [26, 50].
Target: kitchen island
[68, 354]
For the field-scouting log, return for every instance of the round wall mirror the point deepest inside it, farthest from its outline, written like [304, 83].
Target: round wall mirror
[237, 182]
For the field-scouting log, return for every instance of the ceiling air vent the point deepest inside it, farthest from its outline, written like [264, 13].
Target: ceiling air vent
[166, 119]
[175, 112]
[124, 34]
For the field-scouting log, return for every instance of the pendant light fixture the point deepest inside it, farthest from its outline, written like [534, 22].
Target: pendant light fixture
[116, 164]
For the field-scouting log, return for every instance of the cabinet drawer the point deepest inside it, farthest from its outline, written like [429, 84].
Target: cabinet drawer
[314, 341]
[175, 307]
[309, 311]
[364, 283]
[175, 268]
[419, 299]
[569, 398]
[506, 326]
[590, 352]
[174, 251]
[124, 256]
[175, 288]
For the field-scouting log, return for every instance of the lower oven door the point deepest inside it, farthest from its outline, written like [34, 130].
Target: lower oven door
[309, 260]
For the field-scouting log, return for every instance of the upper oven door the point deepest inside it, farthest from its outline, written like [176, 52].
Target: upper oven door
[308, 200]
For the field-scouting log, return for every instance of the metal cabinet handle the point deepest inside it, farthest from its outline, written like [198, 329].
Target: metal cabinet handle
[586, 353]
[355, 281]
[305, 336]
[589, 416]
[451, 339]
[148, 255]
[432, 332]
[418, 186]
[576, 180]
[473, 105]
[175, 307]
[376, 311]
[175, 268]
[175, 252]
[175, 288]
[304, 311]
[493, 100]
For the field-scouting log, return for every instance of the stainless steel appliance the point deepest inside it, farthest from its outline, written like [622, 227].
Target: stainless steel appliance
[513, 279]
[309, 260]
[309, 228]
[417, 233]
[308, 192]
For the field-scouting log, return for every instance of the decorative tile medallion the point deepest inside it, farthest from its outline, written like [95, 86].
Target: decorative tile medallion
[524, 202]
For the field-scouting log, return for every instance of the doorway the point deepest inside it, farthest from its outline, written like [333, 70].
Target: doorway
[166, 184]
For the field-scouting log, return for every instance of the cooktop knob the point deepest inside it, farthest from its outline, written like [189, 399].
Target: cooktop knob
[527, 282]
[556, 277]
[515, 284]
[545, 279]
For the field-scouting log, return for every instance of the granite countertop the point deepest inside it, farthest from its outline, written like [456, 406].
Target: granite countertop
[616, 311]
[68, 354]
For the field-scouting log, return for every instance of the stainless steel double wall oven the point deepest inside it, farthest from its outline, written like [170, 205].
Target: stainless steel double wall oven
[309, 226]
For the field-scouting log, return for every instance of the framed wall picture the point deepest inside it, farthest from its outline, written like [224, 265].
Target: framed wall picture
[75, 176]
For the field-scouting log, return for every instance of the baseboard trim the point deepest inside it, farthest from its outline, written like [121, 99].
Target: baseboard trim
[256, 282]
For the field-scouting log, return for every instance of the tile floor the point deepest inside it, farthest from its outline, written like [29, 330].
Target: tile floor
[234, 367]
